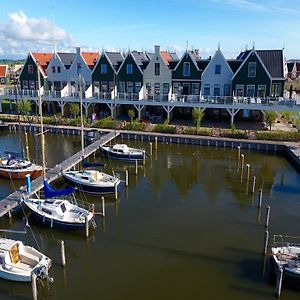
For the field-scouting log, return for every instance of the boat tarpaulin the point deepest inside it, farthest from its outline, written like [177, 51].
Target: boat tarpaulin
[50, 192]
[86, 164]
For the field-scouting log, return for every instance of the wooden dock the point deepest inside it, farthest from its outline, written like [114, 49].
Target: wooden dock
[14, 199]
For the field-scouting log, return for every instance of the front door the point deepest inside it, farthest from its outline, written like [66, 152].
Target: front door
[186, 89]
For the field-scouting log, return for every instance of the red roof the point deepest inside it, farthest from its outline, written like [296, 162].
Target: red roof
[298, 67]
[90, 58]
[3, 71]
[166, 57]
[43, 59]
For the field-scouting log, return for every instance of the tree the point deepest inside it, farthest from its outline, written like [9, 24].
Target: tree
[198, 115]
[24, 106]
[270, 118]
[131, 115]
[74, 109]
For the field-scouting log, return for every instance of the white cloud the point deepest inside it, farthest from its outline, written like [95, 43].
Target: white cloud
[21, 34]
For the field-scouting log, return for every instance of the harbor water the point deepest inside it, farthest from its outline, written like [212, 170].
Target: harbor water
[187, 226]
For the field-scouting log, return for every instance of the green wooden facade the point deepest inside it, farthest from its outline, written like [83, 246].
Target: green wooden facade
[125, 80]
[29, 81]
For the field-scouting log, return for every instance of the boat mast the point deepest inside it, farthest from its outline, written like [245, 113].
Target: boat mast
[41, 121]
[81, 116]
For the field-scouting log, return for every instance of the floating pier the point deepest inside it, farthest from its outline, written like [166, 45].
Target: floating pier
[14, 199]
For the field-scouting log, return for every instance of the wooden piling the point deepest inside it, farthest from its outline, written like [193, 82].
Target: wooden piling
[34, 286]
[86, 226]
[26, 146]
[150, 149]
[144, 158]
[267, 217]
[116, 192]
[253, 184]
[260, 198]
[103, 206]
[155, 143]
[136, 167]
[63, 253]
[238, 152]
[279, 282]
[126, 178]
[266, 241]
[248, 171]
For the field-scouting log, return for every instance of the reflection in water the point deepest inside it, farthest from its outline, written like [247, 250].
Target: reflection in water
[168, 249]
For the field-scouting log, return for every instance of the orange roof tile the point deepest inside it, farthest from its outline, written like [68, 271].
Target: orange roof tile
[166, 57]
[90, 58]
[3, 70]
[43, 59]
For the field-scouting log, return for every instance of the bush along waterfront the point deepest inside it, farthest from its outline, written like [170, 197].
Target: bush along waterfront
[109, 123]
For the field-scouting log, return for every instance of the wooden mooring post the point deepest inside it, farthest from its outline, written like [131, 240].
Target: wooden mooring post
[253, 184]
[279, 282]
[266, 241]
[103, 206]
[155, 143]
[86, 226]
[150, 149]
[34, 286]
[248, 171]
[136, 167]
[126, 178]
[260, 198]
[63, 253]
[267, 217]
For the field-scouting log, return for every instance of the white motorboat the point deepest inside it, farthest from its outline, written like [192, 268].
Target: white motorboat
[18, 262]
[123, 152]
[286, 255]
[92, 181]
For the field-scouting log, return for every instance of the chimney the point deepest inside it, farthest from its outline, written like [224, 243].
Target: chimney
[157, 49]
[78, 50]
[196, 51]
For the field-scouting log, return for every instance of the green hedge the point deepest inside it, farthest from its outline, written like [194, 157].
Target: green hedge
[278, 136]
[164, 128]
[104, 123]
[135, 126]
[235, 134]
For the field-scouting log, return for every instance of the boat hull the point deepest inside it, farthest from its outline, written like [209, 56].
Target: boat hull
[123, 157]
[92, 189]
[20, 174]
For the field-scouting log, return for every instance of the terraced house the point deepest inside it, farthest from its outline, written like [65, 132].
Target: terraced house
[261, 74]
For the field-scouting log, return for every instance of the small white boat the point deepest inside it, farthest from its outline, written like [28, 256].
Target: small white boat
[18, 262]
[123, 152]
[286, 255]
[92, 181]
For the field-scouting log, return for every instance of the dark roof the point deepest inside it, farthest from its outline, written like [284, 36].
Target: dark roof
[150, 55]
[139, 57]
[174, 56]
[66, 58]
[234, 64]
[243, 54]
[273, 61]
[290, 66]
[115, 59]
[202, 64]
[173, 64]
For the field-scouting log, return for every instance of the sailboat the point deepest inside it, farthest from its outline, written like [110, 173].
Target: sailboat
[54, 211]
[14, 166]
[91, 181]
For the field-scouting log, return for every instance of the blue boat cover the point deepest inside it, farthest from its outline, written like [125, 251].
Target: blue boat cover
[51, 192]
[86, 164]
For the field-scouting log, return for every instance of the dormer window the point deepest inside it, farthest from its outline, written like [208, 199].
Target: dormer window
[157, 69]
[30, 69]
[186, 69]
[252, 69]
[103, 69]
[218, 69]
[129, 69]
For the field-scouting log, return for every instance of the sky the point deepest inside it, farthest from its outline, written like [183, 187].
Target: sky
[96, 25]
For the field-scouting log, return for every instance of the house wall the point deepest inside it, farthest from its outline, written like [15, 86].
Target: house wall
[149, 77]
[261, 78]
[136, 75]
[62, 76]
[209, 76]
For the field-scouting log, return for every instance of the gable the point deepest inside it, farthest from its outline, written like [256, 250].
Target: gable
[96, 74]
[136, 74]
[178, 71]
[27, 76]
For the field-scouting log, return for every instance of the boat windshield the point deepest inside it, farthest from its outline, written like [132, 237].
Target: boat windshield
[63, 207]
[14, 254]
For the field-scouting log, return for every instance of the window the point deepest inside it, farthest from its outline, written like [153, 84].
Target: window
[157, 88]
[129, 69]
[103, 69]
[252, 69]
[58, 69]
[104, 87]
[138, 86]
[176, 88]
[261, 91]
[207, 89]
[226, 89]
[129, 87]
[111, 86]
[217, 90]
[25, 84]
[239, 90]
[30, 69]
[32, 85]
[275, 90]
[166, 88]
[195, 88]
[250, 90]
[186, 69]
[217, 69]
[148, 87]
[157, 69]
[122, 87]
[53, 69]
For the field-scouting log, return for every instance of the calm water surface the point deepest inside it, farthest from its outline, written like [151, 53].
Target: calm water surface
[186, 228]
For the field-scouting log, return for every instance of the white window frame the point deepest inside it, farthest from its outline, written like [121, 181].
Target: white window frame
[166, 88]
[137, 87]
[186, 63]
[217, 86]
[30, 69]
[229, 85]
[264, 88]
[253, 64]
[239, 87]
[206, 87]
[128, 69]
[219, 73]
[156, 88]
[157, 73]
[247, 89]
[129, 84]
[195, 86]
[103, 71]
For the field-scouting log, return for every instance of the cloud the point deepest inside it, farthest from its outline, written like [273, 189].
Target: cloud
[244, 4]
[21, 34]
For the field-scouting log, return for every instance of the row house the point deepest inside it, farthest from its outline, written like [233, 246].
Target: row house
[3, 74]
[261, 74]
